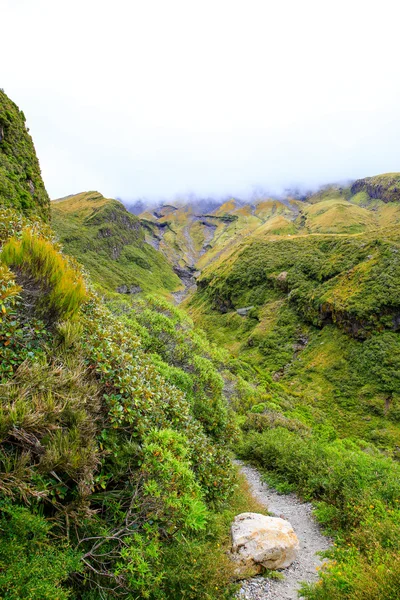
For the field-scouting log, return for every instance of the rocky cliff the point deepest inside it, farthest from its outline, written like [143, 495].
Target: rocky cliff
[381, 187]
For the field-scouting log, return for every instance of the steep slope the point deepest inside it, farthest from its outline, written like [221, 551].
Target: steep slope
[110, 242]
[320, 307]
[21, 185]
[337, 216]
[118, 415]
[319, 312]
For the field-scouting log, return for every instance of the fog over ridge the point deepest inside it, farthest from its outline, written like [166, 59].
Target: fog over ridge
[217, 97]
[204, 204]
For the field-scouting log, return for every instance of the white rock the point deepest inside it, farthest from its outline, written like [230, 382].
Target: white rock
[260, 541]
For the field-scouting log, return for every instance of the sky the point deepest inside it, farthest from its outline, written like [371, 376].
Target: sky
[159, 99]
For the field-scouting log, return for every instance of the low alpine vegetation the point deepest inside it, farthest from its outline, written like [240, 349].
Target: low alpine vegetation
[357, 497]
[98, 449]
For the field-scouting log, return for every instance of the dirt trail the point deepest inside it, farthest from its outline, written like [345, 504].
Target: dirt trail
[299, 514]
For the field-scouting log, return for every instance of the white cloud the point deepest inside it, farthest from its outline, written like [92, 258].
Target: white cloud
[158, 97]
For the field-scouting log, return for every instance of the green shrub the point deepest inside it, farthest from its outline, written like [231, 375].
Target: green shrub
[33, 566]
[19, 340]
[169, 478]
[259, 408]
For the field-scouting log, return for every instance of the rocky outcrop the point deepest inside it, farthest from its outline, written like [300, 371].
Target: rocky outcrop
[187, 275]
[262, 542]
[382, 187]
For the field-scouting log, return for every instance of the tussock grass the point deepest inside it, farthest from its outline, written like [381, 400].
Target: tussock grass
[37, 258]
[48, 422]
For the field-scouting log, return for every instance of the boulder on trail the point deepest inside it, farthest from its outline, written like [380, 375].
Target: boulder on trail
[259, 541]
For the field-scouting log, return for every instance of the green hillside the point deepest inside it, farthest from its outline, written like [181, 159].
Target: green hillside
[189, 238]
[312, 366]
[110, 243]
[323, 319]
[384, 187]
[307, 292]
[192, 239]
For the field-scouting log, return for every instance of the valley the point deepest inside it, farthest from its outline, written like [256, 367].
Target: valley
[140, 354]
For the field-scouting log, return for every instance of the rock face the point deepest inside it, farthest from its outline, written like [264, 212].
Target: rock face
[282, 276]
[259, 541]
[384, 187]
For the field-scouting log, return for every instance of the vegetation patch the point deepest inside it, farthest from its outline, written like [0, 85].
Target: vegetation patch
[41, 267]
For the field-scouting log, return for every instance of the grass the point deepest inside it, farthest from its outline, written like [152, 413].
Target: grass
[325, 322]
[83, 424]
[385, 187]
[351, 280]
[338, 216]
[61, 281]
[276, 225]
[117, 415]
[334, 375]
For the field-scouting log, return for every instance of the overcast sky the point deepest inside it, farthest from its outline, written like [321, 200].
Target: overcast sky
[160, 98]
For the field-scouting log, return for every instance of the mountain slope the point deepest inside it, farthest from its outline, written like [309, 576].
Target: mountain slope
[385, 187]
[118, 415]
[318, 310]
[110, 242]
[316, 357]
[319, 304]
[193, 239]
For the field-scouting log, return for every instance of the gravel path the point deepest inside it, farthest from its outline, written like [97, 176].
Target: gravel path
[311, 540]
